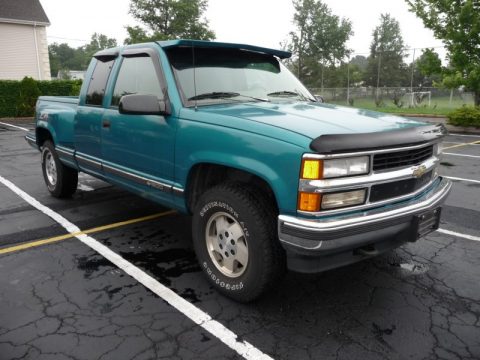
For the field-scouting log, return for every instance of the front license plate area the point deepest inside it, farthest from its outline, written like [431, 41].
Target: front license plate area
[426, 222]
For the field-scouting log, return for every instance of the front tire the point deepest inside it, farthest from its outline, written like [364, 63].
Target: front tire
[61, 180]
[234, 233]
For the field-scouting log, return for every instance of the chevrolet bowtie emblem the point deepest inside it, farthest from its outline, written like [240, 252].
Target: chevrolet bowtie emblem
[419, 171]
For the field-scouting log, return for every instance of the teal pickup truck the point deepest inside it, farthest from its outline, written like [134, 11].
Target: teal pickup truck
[273, 178]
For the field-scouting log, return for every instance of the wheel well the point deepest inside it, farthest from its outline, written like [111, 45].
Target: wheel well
[42, 135]
[205, 176]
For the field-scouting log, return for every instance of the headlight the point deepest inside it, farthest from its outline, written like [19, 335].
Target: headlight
[343, 199]
[314, 202]
[438, 149]
[345, 167]
[332, 168]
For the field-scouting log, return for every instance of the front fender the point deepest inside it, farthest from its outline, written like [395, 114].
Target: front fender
[275, 161]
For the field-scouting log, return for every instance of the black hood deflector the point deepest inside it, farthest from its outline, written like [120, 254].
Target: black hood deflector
[341, 143]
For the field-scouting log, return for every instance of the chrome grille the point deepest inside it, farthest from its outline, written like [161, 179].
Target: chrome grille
[395, 189]
[401, 158]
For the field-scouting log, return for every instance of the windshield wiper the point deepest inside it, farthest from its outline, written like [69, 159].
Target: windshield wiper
[254, 98]
[289, 93]
[214, 95]
[223, 95]
[284, 93]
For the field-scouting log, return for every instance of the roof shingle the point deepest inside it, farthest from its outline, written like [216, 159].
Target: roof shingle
[23, 10]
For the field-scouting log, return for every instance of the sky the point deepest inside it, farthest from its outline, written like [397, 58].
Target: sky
[257, 22]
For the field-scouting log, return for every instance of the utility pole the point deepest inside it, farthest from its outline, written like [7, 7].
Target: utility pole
[378, 71]
[411, 76]
[348, 80]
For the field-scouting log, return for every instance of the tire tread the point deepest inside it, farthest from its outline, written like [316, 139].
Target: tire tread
[264, 213]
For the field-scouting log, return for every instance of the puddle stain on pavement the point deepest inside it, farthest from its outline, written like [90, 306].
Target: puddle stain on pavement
[164, 265]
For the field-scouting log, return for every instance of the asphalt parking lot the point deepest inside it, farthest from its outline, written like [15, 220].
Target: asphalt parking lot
[61, 299]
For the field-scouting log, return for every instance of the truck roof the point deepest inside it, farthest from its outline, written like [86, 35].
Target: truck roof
[200, 43]
[214, 44]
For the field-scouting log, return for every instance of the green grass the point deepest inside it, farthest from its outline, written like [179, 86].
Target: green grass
[439, 106]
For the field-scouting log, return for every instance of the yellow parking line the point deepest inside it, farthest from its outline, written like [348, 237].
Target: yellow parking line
[88, 231]
[459, 145]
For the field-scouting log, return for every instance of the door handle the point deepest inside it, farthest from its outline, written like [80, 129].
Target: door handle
[106, 123]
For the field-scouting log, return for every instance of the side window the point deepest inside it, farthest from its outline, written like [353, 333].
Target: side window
[137, 76]
[98, 82]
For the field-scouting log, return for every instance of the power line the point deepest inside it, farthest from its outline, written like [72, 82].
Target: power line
[403, 49]
[64, 38]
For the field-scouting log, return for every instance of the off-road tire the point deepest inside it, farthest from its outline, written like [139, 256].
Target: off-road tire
[257, 217]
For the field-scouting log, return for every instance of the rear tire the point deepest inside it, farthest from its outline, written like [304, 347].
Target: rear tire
[61, 180]
[235, 239]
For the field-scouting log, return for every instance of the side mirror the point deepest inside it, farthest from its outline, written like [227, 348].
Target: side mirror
[137, 104]
[319, 98]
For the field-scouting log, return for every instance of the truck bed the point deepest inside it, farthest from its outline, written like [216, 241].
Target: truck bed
[57, 114]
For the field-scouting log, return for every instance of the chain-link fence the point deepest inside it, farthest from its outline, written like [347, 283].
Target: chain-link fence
[367, 82]
[397, 97]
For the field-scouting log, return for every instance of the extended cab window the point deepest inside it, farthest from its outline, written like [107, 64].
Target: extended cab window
[137, 76]
[98, 82]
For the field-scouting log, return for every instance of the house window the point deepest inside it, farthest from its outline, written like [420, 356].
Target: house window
[137, 76]
[98, 82]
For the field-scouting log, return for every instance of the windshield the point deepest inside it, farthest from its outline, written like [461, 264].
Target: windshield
[231, 75]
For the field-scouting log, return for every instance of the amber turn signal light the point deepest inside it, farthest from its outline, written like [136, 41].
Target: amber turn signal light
[312, 169]
[309, 201]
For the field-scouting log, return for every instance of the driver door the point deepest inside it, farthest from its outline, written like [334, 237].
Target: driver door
[137, 150]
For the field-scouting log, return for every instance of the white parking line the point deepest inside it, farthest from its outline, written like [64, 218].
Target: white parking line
[464, 135]
[458, 142]
[14, 126]
[462, 179]
[463, 155]
[84, 187]
[201, 318]
[460, 235]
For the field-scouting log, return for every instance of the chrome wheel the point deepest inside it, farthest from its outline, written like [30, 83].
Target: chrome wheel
[50, 168]
[226, 244]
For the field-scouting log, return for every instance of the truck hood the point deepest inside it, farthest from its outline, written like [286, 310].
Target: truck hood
[312, 119]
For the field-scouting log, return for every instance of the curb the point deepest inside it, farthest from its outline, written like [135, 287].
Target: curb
[451, 128]
[20, 120]
[420, 115]
[463, 130]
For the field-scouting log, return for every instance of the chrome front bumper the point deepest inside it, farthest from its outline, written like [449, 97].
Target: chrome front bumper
[338, 233]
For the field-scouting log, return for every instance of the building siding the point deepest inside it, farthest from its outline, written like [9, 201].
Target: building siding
[18, 56]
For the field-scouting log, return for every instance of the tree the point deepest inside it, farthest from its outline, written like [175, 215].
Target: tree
[429, 63]
[64, 57]
[138, 35]
[169, 19]
[429, 66]
[319, 40]
[360, 61]
[387, 51]
[99, 42]
[457, 24]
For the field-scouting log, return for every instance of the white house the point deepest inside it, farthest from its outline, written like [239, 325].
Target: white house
[23, 40]
[71, 74]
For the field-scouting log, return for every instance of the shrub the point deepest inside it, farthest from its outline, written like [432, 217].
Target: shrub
[465, 116]
[17, 97]
[29, 93]
[9, 91]
[60, 87]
